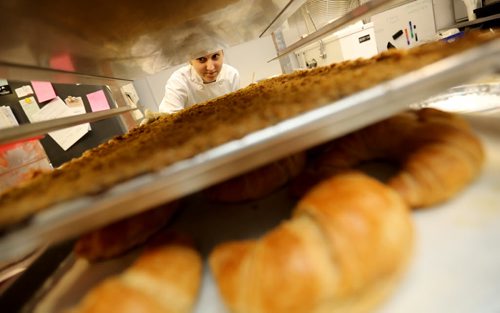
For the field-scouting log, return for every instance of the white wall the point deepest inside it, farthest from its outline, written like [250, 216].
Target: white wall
[146, 98]
[249, 58]
[443, 13]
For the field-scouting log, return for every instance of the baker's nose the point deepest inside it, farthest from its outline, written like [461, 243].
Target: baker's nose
[210, 65]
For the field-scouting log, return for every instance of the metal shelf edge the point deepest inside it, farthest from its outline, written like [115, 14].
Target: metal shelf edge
[39, 128]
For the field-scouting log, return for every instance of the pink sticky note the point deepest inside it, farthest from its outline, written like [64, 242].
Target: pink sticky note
[98, 101]
[43, 90]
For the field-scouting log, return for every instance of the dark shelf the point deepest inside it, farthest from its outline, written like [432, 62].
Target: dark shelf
[492, 19]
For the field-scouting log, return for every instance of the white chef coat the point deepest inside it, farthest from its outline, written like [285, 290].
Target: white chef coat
[185, 88]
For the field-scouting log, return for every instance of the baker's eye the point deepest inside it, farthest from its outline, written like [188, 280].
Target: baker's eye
[202, 59]
[215, 56]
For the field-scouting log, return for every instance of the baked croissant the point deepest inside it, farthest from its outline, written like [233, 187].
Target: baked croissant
[165, 278]
[437, 155]
[119, 237]
[343, 250]
[259, 182]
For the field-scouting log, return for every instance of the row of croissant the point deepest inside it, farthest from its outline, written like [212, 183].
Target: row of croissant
[344, 249]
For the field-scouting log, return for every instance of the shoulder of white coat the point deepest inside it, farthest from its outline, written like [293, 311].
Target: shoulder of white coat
[181, 74]
[179, 80]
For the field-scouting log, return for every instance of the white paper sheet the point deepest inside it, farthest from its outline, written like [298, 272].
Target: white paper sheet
[7, 118]
[130, 94]
[75, 104]
[30, 107]
[24, 91]
[65, 137]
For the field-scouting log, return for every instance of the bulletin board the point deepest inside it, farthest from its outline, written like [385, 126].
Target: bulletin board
[100, 131]
[406, 26]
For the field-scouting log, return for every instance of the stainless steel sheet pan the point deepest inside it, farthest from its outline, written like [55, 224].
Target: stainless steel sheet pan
[71, 218]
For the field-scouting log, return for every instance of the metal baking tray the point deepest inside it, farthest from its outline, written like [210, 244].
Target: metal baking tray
[68, 219]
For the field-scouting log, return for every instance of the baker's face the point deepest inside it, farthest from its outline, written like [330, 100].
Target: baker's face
[208, 66]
